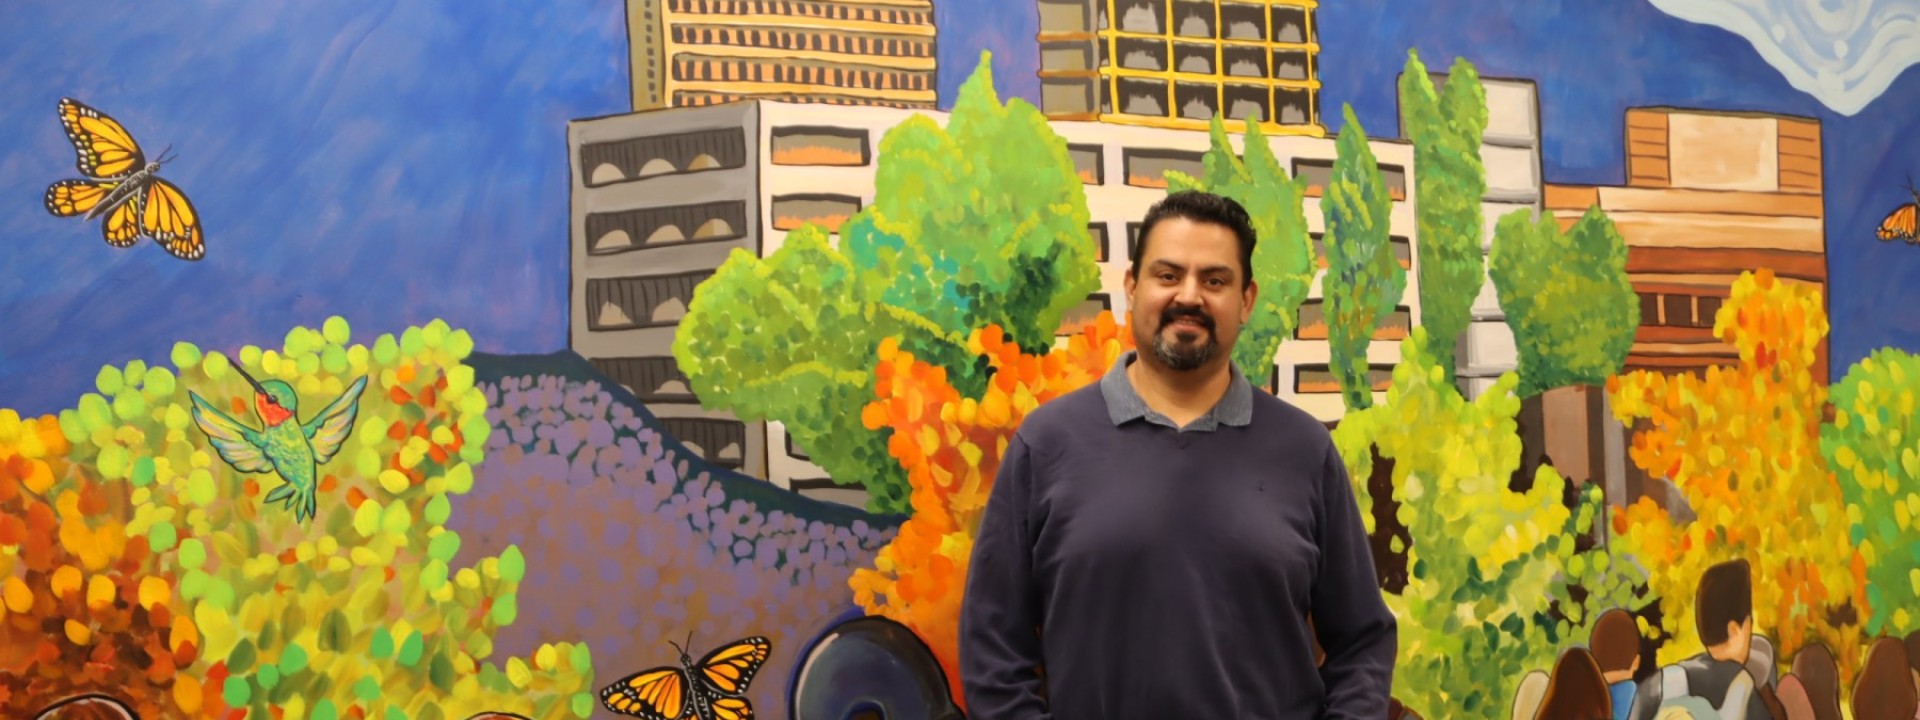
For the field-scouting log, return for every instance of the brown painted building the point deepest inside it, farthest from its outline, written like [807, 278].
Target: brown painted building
[838, 52]
[1709, 195]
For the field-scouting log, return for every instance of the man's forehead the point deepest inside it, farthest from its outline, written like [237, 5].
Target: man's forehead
[1163, 240]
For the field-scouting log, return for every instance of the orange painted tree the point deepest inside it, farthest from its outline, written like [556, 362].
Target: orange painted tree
[1743, 445]
[951, 448]
[84, 608]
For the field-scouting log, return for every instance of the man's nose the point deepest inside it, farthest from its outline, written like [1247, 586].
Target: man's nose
[1188, 294]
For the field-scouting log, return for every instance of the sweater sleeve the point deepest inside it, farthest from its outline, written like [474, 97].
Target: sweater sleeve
[999, 616]
[1355, 629]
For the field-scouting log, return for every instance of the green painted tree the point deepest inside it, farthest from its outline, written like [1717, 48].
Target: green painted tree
[792, 338]
[1363, 281]
[1283, 258]
[1870, 447]
[1449, 179]
[983, 221]
[1566, 296]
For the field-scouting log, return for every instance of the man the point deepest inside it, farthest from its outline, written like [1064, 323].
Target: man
[1723, 615]
[1155, 542]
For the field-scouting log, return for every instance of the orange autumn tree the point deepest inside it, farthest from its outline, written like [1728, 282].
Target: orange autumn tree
[951, 448]
[83, 606]
[1743, 445]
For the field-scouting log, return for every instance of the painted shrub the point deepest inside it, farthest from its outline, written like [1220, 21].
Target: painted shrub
[356, 613]
[1870, 446]
[1487, 596]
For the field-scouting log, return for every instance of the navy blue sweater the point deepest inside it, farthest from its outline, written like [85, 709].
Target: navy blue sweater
[1155, 573]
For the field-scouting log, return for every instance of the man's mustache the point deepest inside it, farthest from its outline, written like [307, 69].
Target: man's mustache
[1171, 314]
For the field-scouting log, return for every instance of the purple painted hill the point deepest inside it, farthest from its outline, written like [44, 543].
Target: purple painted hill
[632, 541]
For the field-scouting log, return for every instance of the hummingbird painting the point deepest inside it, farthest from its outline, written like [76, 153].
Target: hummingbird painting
[286, 446]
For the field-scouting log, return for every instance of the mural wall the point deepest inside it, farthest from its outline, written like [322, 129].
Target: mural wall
[653, 358]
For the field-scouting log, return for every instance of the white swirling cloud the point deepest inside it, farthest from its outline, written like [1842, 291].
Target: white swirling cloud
[1843, 52]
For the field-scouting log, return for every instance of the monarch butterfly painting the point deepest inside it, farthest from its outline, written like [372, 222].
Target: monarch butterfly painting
[122, 186]
[712, 689]
[1900, 223]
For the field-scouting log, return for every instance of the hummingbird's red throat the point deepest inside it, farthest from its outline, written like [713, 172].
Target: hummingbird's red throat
[270, 411]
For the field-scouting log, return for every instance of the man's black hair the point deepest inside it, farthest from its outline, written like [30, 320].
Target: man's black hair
[1204, 207]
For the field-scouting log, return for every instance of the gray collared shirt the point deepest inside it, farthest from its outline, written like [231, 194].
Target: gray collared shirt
[1124, 402]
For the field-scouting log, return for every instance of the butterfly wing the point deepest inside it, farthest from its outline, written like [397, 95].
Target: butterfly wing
[237, 444]
[104, 147]
[68, 198]
[169, 218]
[329, 430]
[122, 226]
[661, 693]
[732, 708]
[1900, 223]
[729, 668]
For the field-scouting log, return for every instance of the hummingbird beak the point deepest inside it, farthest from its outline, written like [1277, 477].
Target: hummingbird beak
[250, 380]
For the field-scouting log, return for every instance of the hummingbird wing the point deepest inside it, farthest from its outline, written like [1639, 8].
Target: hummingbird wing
[328, 430]
[237, 444]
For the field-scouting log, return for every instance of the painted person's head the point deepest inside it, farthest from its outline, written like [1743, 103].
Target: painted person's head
[1723, 609]
[1190, 287]
[1884, 690]
[1819, 673]
[1576, 690]
[1616, 644]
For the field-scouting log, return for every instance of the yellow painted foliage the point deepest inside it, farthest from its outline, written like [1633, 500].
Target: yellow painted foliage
[1743, 445]
[1487, 564]
[951, 448]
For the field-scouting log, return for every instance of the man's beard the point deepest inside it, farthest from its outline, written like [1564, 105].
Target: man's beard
[1180, 357]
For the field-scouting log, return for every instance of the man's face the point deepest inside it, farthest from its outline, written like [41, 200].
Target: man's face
[1188, 302]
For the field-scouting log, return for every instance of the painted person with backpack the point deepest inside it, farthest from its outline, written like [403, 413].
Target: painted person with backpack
[1717, 678]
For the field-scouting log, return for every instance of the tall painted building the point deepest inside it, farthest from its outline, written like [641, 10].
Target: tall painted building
[839, 52]
[1178, 63]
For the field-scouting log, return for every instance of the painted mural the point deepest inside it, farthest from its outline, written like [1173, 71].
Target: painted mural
[655, 358]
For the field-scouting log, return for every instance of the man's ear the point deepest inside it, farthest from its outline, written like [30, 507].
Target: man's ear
[1251, 293]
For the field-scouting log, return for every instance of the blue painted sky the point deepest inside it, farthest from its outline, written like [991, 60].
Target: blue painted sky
[387, 162]
[398, 162]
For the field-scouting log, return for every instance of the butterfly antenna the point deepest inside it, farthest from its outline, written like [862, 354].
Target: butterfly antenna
[165, 155]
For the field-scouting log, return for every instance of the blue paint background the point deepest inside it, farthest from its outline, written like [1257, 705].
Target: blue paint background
[397, 162]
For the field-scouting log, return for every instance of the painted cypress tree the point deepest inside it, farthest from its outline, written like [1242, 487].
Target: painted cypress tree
[1363, 281]
[1449, 179]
